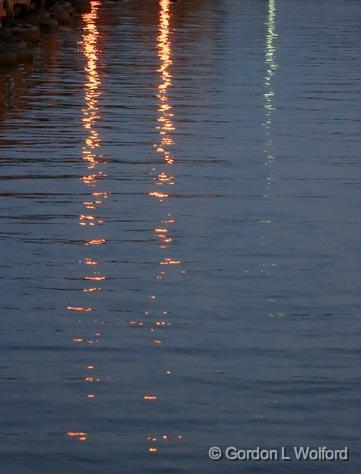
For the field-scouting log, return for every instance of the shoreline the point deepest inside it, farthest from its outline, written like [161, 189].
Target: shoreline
[20, 35]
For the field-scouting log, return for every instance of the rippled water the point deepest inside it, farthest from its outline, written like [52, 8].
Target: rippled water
[180, 238]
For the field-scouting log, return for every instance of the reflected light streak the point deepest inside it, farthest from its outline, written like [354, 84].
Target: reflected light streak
[165, 125]
[150, 397]
[163, 178]
[271, 65]
[268, 96]
[79, 435]
[162, 231]
[95, 277]
[91, 88]
[83, 309]
[93, 160]
[90, 115]
[170, 261]
[160, 196]
[95, 242]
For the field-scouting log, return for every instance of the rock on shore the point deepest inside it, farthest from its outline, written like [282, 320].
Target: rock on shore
[19, 36]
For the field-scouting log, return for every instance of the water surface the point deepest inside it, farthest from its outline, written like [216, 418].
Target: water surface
[180, 251]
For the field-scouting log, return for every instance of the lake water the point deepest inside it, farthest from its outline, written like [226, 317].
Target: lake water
[180, 238]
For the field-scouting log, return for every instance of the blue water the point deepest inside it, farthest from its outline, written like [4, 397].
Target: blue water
[180, 239]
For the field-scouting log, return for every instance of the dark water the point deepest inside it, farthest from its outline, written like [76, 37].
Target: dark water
[180, 238]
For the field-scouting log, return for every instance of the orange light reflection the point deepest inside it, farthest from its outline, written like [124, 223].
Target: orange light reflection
[165, 125]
